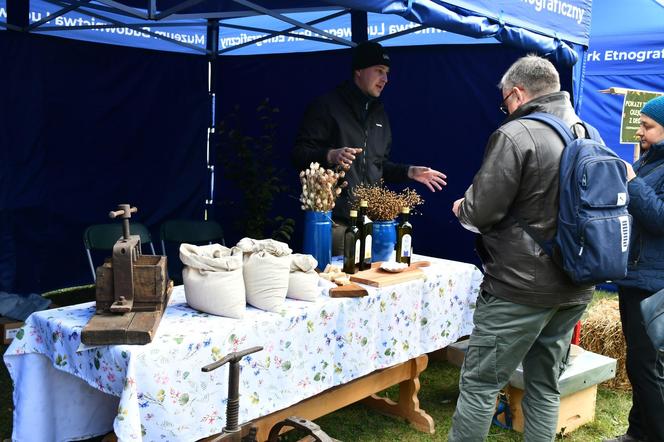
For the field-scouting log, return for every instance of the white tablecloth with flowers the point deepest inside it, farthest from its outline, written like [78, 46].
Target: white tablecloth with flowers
[158, 392]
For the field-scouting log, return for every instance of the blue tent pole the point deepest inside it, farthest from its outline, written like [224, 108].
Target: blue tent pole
[18, 14]
[579, 77]
[212, 49]
[358, 26]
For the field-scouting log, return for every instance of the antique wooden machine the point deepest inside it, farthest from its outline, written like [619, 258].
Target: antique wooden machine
[132, 291]
[232, 431]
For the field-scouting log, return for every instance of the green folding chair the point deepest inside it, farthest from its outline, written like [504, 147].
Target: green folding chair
[104, 237]
[180, 231]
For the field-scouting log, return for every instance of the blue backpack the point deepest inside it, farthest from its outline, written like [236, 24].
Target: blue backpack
[592, 241]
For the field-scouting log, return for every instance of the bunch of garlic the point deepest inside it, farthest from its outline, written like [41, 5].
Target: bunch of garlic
[320, 187]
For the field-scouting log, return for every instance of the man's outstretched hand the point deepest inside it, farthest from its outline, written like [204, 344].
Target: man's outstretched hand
[431, 178]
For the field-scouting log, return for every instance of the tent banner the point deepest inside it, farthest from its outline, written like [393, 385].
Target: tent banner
[636, 54]
[100, 26]
[254, 35]
[379, 26]
[570, 19]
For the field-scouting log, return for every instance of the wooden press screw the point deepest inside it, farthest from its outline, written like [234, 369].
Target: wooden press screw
[124, 211]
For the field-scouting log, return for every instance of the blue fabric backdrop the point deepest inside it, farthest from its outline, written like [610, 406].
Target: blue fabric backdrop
[90, 126]
[85, 127]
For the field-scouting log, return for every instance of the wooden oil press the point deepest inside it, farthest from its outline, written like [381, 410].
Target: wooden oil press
[232, 432]
[132, 291]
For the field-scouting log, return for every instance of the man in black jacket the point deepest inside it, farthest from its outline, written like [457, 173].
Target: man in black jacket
[527, 308]
[349, 128]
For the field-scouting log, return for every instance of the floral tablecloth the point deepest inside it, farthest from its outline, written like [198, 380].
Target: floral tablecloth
[157, 392]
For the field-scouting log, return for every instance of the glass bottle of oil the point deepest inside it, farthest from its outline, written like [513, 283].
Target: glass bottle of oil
[352, 245]
[366, 231]
[404, 247]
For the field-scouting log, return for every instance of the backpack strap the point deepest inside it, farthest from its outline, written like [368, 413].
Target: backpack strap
[566, 134]
[593, 133]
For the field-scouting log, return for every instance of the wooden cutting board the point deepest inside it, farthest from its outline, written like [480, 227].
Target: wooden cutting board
[376, 277]
[348, 291]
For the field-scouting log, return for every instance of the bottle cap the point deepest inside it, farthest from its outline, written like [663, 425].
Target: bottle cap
[353, 213]
[405, 210]
[364, 203]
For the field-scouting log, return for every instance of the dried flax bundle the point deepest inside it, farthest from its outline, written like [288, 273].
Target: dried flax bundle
[601, 332]
[320, 188]
[385, 204]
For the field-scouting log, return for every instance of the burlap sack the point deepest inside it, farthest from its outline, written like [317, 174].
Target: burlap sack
[213, 280]
[303, 279]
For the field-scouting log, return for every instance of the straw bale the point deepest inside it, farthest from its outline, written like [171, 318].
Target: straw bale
[601, 332]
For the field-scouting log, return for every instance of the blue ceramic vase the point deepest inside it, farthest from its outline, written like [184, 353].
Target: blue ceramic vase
[384, 240]
[318, 236]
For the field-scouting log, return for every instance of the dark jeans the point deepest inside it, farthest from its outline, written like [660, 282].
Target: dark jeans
[645, 369]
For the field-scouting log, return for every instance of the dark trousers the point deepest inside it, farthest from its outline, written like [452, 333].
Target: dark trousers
[505, 335]
[645, 369]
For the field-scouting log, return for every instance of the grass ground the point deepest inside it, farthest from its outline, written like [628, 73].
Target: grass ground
[439, 390]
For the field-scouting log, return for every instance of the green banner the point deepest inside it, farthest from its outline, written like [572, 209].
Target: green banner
[629, 124]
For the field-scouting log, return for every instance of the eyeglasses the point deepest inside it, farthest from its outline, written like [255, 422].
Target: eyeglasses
[503, 105]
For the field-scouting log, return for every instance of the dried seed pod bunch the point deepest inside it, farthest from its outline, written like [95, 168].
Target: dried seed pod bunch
[385, 204]
[320, 187]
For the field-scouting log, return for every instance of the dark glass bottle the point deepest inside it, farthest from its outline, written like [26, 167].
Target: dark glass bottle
[366, 231]
[352, 245]
[404, 238]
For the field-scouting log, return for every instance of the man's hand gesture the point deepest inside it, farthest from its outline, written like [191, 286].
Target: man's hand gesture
[431, 178]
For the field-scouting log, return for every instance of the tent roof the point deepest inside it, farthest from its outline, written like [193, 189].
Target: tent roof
[526, 24]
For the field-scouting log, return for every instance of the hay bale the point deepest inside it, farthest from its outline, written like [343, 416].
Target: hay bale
[601, 332]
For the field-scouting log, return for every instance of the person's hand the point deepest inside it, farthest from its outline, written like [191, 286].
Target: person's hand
[630, 171]
[343, 156]
[431, 178]
[456, 206]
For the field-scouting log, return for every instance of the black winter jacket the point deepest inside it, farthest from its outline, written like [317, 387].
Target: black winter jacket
[519, 175]
[646, 204]
[345, 117]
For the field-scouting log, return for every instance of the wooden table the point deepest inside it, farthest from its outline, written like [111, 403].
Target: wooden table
[318, 357]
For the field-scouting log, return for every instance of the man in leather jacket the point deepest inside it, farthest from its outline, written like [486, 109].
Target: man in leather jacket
[527, 307]
[348, 128]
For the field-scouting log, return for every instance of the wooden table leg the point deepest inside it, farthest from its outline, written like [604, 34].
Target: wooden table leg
[408, 406]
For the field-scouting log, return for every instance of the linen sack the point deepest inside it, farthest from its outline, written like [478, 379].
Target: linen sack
[266, 269]
[213, 281]
[303, 279]
[273, 247]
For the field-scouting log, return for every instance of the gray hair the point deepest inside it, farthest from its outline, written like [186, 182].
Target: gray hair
[534, 74]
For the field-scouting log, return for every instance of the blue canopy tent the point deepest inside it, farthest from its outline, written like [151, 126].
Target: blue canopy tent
[626, 51]
[88, 126]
